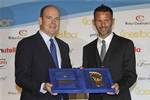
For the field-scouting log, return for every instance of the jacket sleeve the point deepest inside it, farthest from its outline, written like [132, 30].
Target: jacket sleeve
[23, 64]
[84, 58]
[129, 68]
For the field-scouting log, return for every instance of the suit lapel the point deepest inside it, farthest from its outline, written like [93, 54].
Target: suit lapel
[44, 50]
[111, 49]
[95, 50]
[61, 49]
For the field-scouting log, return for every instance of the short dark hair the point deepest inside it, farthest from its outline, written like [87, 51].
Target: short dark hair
[103, 8]
[43, 8]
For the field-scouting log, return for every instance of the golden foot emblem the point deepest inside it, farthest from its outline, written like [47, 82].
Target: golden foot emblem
[97, 78]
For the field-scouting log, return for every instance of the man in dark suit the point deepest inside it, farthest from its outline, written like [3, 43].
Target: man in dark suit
[115, 53]
[34, 57]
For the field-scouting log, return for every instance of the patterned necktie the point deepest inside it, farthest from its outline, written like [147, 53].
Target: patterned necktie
[53, 52]
[103, 50]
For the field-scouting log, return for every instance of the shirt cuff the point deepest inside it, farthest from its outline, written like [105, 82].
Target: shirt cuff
[42, 90]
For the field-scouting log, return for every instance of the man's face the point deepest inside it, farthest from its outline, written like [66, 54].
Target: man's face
[49, 22]
[103, 22]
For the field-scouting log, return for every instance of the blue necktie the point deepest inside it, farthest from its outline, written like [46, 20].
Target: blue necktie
[53, 52]
[54, 55]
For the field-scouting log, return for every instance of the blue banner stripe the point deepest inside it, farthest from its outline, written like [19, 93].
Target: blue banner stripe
[29, 12]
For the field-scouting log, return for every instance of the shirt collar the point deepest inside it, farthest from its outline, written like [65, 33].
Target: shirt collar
[45, 36]
[107, 39]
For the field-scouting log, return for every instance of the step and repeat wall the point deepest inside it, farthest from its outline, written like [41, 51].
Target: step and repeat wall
[20, 19]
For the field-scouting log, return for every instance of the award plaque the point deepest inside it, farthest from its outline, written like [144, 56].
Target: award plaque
[97, 80]
[88, 80]
[66, 80]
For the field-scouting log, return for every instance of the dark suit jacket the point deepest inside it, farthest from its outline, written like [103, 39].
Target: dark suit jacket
[32, 61]
[120, 59]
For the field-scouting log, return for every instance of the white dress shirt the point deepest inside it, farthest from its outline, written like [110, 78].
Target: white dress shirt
[107, 42]
[46, 39]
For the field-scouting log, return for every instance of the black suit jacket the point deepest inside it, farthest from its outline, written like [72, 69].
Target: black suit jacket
[120, 59]
[32, 61]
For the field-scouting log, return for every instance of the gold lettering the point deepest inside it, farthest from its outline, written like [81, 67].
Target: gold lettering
[86, 21]
[140, 91]
[66, 34]
[138, 34]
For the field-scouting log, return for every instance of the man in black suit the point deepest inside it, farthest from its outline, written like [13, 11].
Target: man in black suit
[34, 57]
[116, 53]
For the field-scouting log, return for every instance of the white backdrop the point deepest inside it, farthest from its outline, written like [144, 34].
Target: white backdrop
[77, 30]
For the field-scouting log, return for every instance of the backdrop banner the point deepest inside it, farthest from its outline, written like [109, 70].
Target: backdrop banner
[19, 19]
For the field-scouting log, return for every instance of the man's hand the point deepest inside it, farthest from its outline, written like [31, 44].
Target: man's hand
[47, 87]
[116, 87]
[81, 67]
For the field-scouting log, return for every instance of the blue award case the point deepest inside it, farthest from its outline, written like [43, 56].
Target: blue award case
[88, 80]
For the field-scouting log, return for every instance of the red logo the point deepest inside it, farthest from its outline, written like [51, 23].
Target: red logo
[139, 18]
[137, 50]
[23, 32]
[8, 50]
[3, 62]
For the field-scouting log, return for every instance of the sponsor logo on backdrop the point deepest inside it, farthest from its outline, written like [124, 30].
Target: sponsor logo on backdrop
[12, 93]
[19, 35]
[8, 50]
[135, 34]
[66, 34]
[141, 91]
[94, 35]
[86, 20]
[5, 22]
[3, 63]
[3, 78]
[137, 50]
[138, 20]
[144, 78]
[143, 63]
